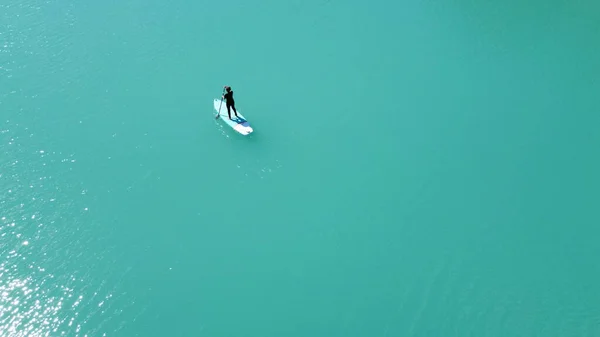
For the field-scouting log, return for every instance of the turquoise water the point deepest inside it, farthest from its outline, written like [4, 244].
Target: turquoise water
[417, 169]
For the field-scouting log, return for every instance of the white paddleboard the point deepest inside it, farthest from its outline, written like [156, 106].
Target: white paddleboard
[239, 123]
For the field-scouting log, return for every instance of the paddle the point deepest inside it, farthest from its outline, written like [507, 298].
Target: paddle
[219, 113]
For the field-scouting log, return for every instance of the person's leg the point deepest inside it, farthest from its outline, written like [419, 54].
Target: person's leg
[229, 110]
[234, 110]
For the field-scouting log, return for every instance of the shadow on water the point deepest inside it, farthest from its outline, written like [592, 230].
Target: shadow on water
[256, 156]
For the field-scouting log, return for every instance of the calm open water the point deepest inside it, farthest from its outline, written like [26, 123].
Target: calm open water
[418, 168]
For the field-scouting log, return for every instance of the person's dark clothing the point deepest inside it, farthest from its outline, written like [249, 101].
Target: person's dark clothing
[230, 103]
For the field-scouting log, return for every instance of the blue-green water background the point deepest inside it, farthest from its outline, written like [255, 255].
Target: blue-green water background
[419, 168]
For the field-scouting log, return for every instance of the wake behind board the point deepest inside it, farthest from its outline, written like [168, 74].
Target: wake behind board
[239, 123]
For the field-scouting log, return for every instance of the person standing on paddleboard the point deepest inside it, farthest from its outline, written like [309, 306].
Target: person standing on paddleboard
[229, 101]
